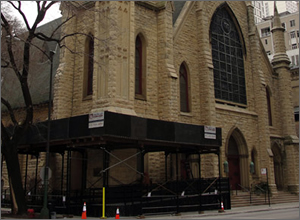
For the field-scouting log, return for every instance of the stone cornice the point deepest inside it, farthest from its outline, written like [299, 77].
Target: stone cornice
[281, 60]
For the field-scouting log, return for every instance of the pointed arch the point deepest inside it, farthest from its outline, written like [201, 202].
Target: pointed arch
[225, 6]
[236, 151]
[228, 51]
[184, 87]
[240, 140]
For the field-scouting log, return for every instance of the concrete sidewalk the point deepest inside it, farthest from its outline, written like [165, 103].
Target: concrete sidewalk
[246, 209]
[187, 215]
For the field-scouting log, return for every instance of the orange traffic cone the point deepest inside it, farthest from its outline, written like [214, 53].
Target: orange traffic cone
[30, 213]
[222, 207]
[117, 213]
[83, 216]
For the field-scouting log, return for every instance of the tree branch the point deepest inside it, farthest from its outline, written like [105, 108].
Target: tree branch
[21, 13]
[5, 63]
[42, 12]
[4, 135]
[10, 110]
[8, 41]
[59, 26]
[43, 37]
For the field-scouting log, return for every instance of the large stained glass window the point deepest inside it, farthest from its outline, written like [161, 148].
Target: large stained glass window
[227, 55]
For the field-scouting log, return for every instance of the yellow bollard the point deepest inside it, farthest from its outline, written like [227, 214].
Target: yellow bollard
[103, 204]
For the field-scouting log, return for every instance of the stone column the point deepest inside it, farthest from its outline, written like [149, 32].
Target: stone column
[114, 54]
[168, 100]
[206, 75]
[259, 82]
[63, 81]
[280, 64]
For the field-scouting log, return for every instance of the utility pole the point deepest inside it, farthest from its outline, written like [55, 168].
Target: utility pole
[45, 211]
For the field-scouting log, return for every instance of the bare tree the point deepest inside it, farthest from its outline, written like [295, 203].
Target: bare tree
[21, 48]
[16, 58]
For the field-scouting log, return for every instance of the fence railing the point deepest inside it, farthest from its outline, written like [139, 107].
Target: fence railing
[133, 200]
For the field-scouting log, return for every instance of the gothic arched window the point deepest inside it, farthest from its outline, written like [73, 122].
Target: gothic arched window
[89, 66]
[140, 60]
[184, 89]
[227, 55]
[269, 106]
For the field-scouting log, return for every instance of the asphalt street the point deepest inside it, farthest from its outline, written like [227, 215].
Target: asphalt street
[292, 213]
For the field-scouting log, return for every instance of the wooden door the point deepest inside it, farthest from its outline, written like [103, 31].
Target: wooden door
[234, 172]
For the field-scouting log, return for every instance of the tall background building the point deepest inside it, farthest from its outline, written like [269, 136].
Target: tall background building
[263, 9]
[282, 6]
[290, 21]
[259, 11]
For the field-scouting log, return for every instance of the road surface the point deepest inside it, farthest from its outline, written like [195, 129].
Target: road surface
[289, 213]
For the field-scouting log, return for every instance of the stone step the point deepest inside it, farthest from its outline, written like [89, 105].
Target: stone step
[243, 199]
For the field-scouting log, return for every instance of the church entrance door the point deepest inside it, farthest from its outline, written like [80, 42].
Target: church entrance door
[278, 171]
[233, 158]
[234, 172]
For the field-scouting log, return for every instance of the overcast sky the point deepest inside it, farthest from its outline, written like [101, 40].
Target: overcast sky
[30, 10]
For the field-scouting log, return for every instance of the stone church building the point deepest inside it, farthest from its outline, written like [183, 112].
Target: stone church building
[195, 64]
[192, 62]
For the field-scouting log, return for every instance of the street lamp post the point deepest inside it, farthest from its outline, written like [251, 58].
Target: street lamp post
[45, 211]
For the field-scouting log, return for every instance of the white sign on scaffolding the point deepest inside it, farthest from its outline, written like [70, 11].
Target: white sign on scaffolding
[210, 132]
[263, 171]
[96, 120]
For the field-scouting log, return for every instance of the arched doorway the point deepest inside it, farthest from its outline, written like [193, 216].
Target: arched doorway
[277, 161]
[237, 157]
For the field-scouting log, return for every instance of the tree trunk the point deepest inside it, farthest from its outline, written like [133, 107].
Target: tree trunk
[14, 172]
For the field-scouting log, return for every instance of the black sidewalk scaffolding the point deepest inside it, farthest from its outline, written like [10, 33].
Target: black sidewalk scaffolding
[123, 132]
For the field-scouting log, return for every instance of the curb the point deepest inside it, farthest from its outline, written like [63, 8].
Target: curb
[191, 215]
[238, 212]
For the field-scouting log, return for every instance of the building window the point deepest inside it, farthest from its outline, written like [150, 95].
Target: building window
[293, 35]
[266, 41]
[294, 46]
[184, 89]
[265, 32]
[296, 113]
[292, 23]
[140, 67]
[269, 106]
[228, 59]
[298, 34]
[89, 66]
[283, 25]
[293, 60]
